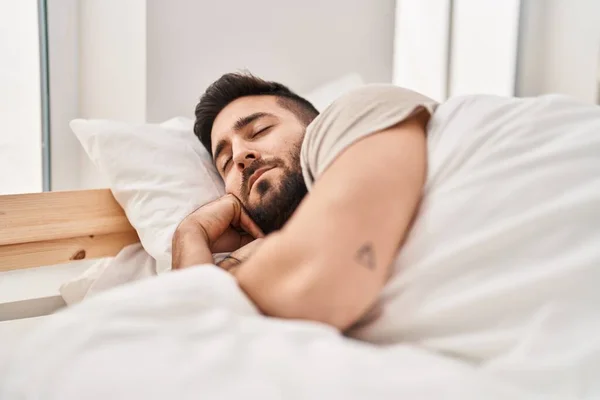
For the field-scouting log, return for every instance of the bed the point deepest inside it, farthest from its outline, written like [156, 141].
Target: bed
[51, 230]
[492, 300]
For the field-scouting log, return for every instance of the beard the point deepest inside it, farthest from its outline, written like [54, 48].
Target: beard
[278, 206]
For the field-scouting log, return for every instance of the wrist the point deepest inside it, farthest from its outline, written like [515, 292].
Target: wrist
[190, 246]
[191, 229]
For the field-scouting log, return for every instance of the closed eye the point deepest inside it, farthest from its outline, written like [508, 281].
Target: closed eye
[263, 130]
[226, 164]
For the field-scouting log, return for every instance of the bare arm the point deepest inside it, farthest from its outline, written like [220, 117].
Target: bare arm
[332, 258]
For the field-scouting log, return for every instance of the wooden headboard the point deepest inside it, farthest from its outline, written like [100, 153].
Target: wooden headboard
[57, 227]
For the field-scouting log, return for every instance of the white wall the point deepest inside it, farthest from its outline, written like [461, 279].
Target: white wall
[112, 67]
[20, 100]
[421, 46]
[97, 57]
[301, 43]
[112, 59]
[560, 48]
[484, 47]
[63, 60]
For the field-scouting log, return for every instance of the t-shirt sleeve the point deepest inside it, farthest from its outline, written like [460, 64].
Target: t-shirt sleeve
[352, 117]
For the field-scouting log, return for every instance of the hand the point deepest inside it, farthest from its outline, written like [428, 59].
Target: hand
[220, 226]
[225, 224]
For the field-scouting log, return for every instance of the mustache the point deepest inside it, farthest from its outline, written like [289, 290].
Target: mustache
[252, 168]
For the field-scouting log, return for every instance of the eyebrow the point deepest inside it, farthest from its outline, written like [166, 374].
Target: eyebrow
[238, 126]
[247, 120]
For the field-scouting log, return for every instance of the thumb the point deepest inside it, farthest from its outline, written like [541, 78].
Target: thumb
[229, 241]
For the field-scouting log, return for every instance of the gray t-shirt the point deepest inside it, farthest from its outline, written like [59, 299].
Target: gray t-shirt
[352, 117]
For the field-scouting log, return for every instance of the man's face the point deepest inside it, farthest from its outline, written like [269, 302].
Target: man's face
[256, 148]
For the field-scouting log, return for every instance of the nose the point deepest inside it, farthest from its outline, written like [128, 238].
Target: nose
[244, 158]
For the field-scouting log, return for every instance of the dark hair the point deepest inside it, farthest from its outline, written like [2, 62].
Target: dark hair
[232, 86]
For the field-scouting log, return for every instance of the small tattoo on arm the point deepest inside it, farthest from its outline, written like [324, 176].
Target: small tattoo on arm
[365, 256]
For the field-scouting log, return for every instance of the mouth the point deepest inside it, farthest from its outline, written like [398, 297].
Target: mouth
[257, 174]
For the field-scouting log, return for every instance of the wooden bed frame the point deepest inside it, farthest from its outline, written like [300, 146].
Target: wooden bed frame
[44, 229]
[58, 227]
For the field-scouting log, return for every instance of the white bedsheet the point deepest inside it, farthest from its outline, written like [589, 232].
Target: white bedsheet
[131, 264]
[27, 292]
[11, 334]
[193, 334]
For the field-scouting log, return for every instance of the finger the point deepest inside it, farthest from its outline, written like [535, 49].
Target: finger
[250, 226]
[211, 219]
[229, 241]
[217, 217]
[242, 220]
[246, 239]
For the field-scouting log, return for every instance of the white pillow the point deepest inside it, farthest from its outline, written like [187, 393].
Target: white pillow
[158, 173]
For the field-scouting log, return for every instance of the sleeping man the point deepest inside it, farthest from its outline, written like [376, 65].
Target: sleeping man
[388, 201]
[333, 255]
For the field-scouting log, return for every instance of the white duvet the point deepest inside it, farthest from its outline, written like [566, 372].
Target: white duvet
[494, 294]
[193, 334]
